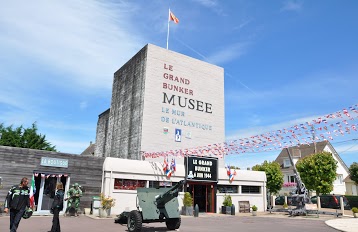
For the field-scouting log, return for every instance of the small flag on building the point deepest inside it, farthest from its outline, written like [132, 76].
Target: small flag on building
[173, 18]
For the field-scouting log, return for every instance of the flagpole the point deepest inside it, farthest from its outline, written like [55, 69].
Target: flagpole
[168, 29]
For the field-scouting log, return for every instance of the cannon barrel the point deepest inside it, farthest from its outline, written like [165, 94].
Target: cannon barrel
[170, 194]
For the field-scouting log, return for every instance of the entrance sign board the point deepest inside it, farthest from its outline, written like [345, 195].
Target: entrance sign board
[54, 162]
[202, 169]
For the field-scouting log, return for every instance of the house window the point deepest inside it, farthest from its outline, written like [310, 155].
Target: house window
[291, 179]
[250, 189]
[228, 188]
[129, 184]
[339, 179]
[286, 163]
[296, 153]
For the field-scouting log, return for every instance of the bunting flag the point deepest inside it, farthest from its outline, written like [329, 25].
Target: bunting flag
[230, 173]
[169, 169]
[173, 165]
[32, 192]
[165, 166]
[322, 128]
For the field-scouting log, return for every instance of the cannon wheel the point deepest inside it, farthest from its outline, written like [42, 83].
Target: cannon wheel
[134, 221]
[173, 223]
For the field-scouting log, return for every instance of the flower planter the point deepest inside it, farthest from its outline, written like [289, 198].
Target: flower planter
[102, 213]
[108, 212]
[355, 215]
[226, 209]
[254, 213]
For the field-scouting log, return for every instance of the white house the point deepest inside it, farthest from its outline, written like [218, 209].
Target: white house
[302, 151]
[351, 186]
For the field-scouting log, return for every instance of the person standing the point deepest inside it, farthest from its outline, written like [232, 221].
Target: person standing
[17, 199]
[74, 195]
[57, 206]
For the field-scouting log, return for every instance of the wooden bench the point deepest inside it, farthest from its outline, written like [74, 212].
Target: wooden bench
[244, 207]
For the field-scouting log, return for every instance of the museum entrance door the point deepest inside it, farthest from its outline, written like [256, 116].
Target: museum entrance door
[203, 195]
[45, 187]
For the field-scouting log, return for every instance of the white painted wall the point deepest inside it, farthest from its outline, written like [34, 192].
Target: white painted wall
[152, 171]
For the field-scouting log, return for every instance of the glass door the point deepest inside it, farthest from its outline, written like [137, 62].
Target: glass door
[203, 195]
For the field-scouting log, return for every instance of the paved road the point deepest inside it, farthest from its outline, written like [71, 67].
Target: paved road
[212, 223]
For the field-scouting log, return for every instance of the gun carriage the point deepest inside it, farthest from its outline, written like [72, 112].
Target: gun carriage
[154, 205]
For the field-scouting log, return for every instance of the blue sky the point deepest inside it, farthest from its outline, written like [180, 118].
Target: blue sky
[286, 62]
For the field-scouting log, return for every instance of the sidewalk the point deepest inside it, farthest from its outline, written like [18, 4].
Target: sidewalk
[346, 223]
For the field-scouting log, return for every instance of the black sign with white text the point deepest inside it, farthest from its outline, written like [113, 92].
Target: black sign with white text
[202, 169]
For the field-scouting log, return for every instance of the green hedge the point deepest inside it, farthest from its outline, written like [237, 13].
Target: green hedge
[352, 200]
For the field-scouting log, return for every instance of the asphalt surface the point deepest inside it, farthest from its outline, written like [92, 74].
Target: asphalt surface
[205, 222]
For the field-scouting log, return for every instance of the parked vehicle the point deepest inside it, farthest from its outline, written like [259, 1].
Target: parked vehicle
[331, 201]
[314, 200]
[280, 200]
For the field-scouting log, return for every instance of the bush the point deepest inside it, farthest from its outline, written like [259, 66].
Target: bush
[254, 208]
[355, 210]
[188, 200]
[107, 202]
[227, 201]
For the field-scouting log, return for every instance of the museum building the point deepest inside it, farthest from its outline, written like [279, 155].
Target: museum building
[168, 109]
[165, 119]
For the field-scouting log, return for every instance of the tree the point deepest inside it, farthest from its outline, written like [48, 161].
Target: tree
[318, 171]
[234, 167]
[24, 137]
[353, 172]
[273, 174]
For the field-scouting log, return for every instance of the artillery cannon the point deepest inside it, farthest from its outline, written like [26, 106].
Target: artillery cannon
[301, 193]
[154, 205]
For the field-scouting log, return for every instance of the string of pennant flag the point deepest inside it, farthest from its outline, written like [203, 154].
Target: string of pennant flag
[46, 175]
[327, 127]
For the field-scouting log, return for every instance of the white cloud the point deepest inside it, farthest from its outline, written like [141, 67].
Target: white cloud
[207, 3]
[211, 4]
[83, 105]
[247, 132]
[292, 5]
[72, 147]
[346, 148]
[228, 53]
[80, 39]
[248, 160]
[242, 24]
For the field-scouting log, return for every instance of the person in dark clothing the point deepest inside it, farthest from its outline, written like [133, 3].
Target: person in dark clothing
[17, 199]
[57, 206]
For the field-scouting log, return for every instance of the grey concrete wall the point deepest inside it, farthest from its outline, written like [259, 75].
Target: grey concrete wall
[16, 163]
[125, 119]
[101, 134]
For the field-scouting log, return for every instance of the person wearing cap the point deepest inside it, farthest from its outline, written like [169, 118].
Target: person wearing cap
[17, 199]
[74, 195]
